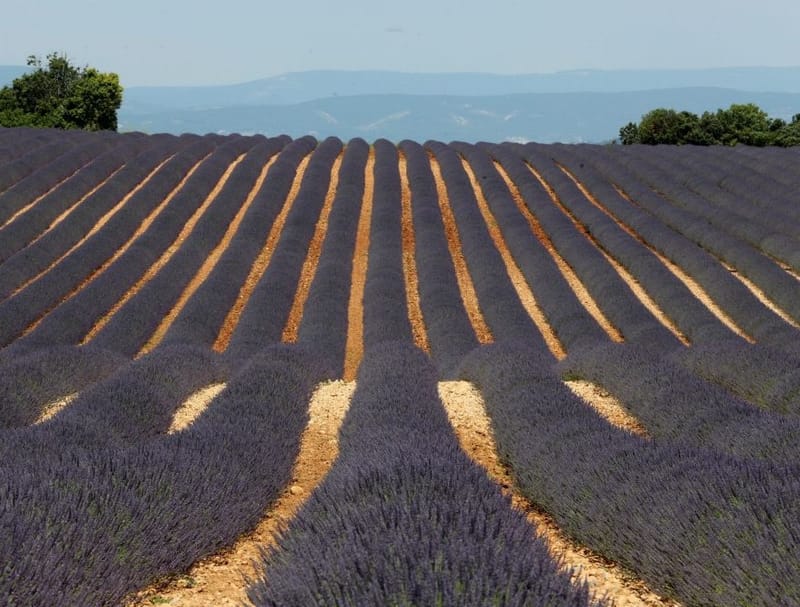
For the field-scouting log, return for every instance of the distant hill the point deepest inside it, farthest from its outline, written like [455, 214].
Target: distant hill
[543, 117]
[570, 106]
[299, 87]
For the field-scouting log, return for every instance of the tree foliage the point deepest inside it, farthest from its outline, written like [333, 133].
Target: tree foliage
[60, 95]
[744, 123]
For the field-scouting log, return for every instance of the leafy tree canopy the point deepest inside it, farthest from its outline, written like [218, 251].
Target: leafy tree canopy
[743, 123]
[60, 95]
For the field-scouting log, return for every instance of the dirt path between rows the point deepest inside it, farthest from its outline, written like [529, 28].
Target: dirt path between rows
[637, 289]
[467, 414]
[515, 275]
[463, 277]
[581, 292]
[220, 579]
[261, 262]
[354, 348]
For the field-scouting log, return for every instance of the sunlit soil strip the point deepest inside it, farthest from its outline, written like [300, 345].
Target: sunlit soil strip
[761, 296]
[97, 226]
[142, 228]
[156, 267]
[209, 264]
[626, 276]
[468, 295]
[39, 198]
[220, 579]
[524, 292]
[418, 329]
[607, 406]
[193, 407]
[472, 426]
[50, 410]
[583, 295]
[312, 257]
[74, 206]
[354, 349]
[690, 283]
[262, 261]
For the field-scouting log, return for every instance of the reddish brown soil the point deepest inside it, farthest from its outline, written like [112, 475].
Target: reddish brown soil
[626, 276]
[583, 295]
[418, 328]
[312, 257]
[209, 264]
[465, 284]
[354, 350]
[261, 262]
[526, 296]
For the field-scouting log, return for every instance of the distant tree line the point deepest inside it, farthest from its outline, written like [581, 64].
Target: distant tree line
[744, 123]
[60, 95]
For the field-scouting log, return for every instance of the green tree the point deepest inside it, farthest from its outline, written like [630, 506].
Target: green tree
[670, 127]
[60, 95]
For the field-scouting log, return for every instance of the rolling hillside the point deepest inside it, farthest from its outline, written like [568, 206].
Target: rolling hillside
[139, 271]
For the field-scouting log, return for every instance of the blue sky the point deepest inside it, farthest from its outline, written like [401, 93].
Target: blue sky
[198, 42]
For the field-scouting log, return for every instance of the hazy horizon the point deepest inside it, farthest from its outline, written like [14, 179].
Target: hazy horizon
[183, 43]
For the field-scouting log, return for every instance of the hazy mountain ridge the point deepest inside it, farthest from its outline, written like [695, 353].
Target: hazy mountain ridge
[544, 117]
[570, 106]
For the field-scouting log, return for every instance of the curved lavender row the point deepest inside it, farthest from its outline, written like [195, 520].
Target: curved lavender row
[111, 521]
[45, 293]
[698, 526]
[404, 517]
[133, 404]
[264, 317]
[132, 325]
[33, 380]
[450, 333]
[19, 180]
[498, 299]
[673, 297]
[18, 233]
[610, 292]
[38, 256]
[18, 141]
[677, 406]
[738, 193]
[762, 375]
[324, 322]
[204, 314]
[646, 217]
[385, 307]
[675, 210]
[569, 319]
[73, 319]
[735, 211]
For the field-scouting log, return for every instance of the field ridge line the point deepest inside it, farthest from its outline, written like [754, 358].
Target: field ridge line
[690, 283]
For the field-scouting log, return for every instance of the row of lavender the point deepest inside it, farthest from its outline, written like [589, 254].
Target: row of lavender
[100, 501]
[705, 511]
[60, 282]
